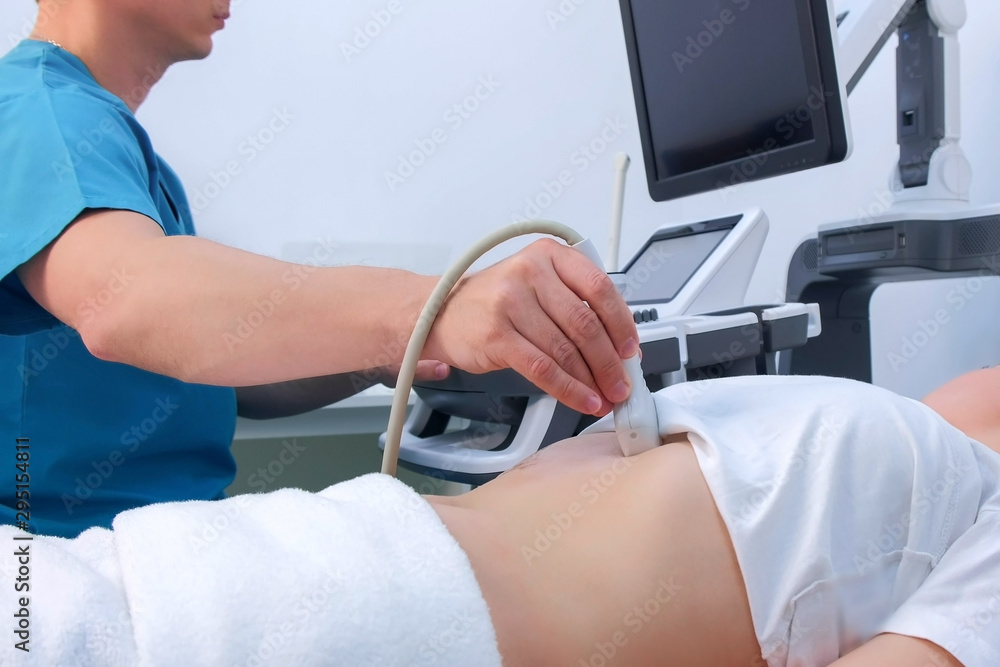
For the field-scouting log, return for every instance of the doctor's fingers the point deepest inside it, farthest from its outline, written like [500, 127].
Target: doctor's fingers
[591, 283]
[537, 327]
[562, 279]
[582, 337]
[546, 373]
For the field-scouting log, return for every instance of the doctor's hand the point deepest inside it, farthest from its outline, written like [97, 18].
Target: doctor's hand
[530, 313]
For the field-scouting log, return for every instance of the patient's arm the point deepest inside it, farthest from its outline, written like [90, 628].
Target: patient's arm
[897, 651]
[971, 403]
[582, 554]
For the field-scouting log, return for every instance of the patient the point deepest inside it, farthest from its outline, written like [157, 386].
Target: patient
[785, 521]
[864, 526]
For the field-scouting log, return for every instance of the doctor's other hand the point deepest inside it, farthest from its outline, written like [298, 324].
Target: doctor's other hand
[427, 371]
[530, 313]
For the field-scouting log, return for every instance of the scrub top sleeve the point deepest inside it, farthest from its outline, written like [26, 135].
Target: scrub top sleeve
[63, 152]
[958, 606]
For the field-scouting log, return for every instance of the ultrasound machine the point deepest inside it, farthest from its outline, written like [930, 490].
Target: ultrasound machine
[718, 106]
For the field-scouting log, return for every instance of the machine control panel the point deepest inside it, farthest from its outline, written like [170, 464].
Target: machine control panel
[643, 316]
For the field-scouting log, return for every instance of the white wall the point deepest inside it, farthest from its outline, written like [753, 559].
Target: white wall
[323, 175]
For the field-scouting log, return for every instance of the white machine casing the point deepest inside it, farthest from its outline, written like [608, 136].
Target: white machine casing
[476, 450]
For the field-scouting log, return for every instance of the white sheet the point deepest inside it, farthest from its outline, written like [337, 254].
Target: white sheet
[363, 573]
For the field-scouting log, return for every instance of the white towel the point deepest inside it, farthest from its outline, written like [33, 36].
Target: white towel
[363, 573]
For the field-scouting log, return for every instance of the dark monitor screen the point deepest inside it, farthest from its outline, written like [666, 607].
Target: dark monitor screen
[668, 260]
[729, 91]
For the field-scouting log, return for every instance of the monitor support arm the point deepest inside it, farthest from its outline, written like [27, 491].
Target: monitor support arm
[928, 230]
[932, 165]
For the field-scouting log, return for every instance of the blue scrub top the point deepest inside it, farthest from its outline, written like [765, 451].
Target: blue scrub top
[102, 437]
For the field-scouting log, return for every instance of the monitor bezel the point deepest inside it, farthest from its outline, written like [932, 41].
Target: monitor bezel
[831, 142]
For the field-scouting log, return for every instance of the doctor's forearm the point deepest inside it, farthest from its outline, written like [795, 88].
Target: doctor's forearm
[205, 313]
[233, 318]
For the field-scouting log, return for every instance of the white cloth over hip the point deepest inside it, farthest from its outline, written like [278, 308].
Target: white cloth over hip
[853, 511]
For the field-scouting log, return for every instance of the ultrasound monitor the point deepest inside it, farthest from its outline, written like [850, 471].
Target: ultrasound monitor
[668, 261]
[730, 91]
[692, 268]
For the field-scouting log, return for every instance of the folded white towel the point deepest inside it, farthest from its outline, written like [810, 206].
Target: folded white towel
[363, 573]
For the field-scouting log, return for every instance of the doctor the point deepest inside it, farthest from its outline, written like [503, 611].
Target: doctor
[122, 334]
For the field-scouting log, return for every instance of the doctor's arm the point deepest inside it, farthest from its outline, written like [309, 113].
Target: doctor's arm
[205, 313]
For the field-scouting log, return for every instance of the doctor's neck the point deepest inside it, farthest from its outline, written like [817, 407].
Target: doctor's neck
[126, 55]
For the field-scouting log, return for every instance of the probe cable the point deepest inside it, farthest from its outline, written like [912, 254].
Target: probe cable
[408, 369]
